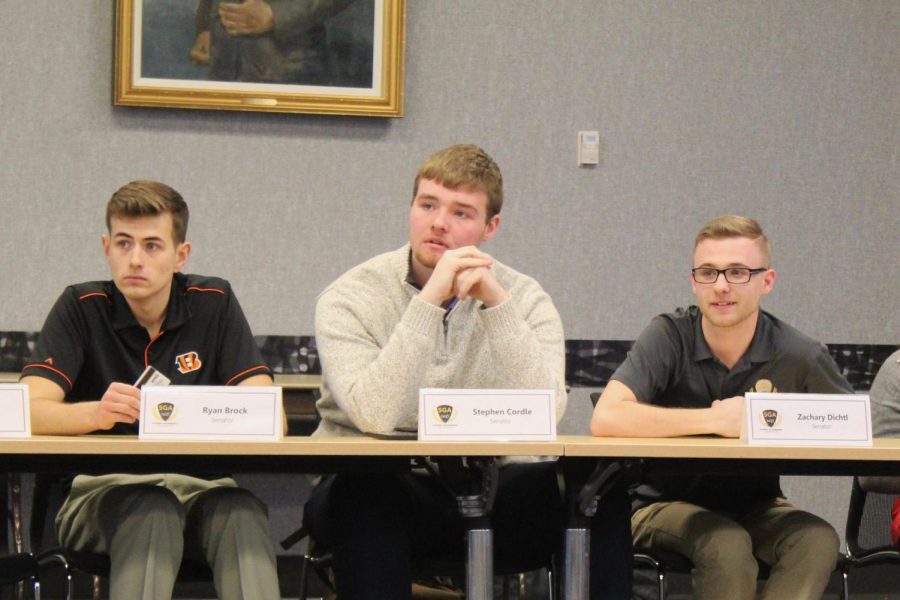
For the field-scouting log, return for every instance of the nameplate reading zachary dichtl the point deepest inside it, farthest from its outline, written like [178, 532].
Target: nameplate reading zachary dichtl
[808, 419]
[15, 420]
[476, 415]
[198, 412]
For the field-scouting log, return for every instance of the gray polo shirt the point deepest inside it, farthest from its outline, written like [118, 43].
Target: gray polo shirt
[671, 365]
[885, 398]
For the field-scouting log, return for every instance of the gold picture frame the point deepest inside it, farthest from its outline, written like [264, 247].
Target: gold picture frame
[155, 67]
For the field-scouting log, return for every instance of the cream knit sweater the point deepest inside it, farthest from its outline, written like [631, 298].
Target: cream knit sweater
[379, 344]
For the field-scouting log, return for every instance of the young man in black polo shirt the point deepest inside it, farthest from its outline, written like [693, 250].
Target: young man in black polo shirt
[97, 340]
[686, 375]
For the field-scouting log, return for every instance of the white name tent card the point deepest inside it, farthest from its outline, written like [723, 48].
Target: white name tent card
[199, 412]
[478, 415]
[808, 419]
[15, 419]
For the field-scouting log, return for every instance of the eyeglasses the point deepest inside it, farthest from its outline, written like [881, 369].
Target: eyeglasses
[732, 274]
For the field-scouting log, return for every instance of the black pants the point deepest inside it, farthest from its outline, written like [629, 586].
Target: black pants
[379, 527]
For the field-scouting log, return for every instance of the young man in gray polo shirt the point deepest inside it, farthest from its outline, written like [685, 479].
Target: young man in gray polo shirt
[885, 400]
[686, 375]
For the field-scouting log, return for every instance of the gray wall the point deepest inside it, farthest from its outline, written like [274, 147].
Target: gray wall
[786, 111]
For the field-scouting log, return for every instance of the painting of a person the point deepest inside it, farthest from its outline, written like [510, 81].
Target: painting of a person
[269, 41]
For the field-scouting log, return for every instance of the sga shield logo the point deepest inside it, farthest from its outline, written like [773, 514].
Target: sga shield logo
[165, 410]
[444, 413]
[771, 418]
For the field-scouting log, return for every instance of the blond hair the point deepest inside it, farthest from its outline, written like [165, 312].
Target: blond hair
[465, 166]
[730, 226]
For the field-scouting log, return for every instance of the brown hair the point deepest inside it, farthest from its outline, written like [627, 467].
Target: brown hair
[730, 226]
[465, 165]
[146, 198]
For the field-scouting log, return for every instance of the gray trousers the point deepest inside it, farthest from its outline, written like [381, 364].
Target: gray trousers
[145, 523]
[800, 547]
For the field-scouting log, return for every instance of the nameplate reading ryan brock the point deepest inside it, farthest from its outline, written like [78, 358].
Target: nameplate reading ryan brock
[224, 411]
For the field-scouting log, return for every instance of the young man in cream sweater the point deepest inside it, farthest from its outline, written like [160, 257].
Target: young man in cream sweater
[440, 312]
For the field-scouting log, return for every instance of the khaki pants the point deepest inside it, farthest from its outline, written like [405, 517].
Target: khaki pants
[145, 523]
[800, 547]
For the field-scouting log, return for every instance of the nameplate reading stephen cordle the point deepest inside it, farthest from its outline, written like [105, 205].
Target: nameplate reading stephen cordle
[475, 415]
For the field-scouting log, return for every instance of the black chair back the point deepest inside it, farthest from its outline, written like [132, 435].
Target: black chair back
[869, 522]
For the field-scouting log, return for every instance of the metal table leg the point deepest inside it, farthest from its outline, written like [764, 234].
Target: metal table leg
[576, 572]
[475, 510]
[480, 564]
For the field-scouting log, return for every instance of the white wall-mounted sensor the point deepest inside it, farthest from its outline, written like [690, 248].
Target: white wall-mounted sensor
[588, 148]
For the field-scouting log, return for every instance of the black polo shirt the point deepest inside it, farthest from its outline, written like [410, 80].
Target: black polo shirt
[671, 365]
[91, 339]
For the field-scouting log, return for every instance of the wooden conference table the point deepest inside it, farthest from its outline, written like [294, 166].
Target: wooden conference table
[301, 453]
[305, 454]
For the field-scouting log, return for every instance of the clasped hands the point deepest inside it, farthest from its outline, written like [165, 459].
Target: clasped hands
[464, 272]
[252, 17]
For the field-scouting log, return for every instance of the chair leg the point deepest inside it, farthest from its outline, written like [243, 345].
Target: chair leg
[37, 589]
[304, 574]
[15, 500]
[661, 578]
[845, 584]
[97, 590]
[68, 588]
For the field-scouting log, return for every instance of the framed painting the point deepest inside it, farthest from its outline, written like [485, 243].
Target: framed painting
[340, 57]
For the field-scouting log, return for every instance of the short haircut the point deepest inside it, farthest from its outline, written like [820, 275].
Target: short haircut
[731, 226]
[465, 166]
[144, 198]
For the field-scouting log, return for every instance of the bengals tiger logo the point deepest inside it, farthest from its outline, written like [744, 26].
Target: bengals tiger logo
[187, 362]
